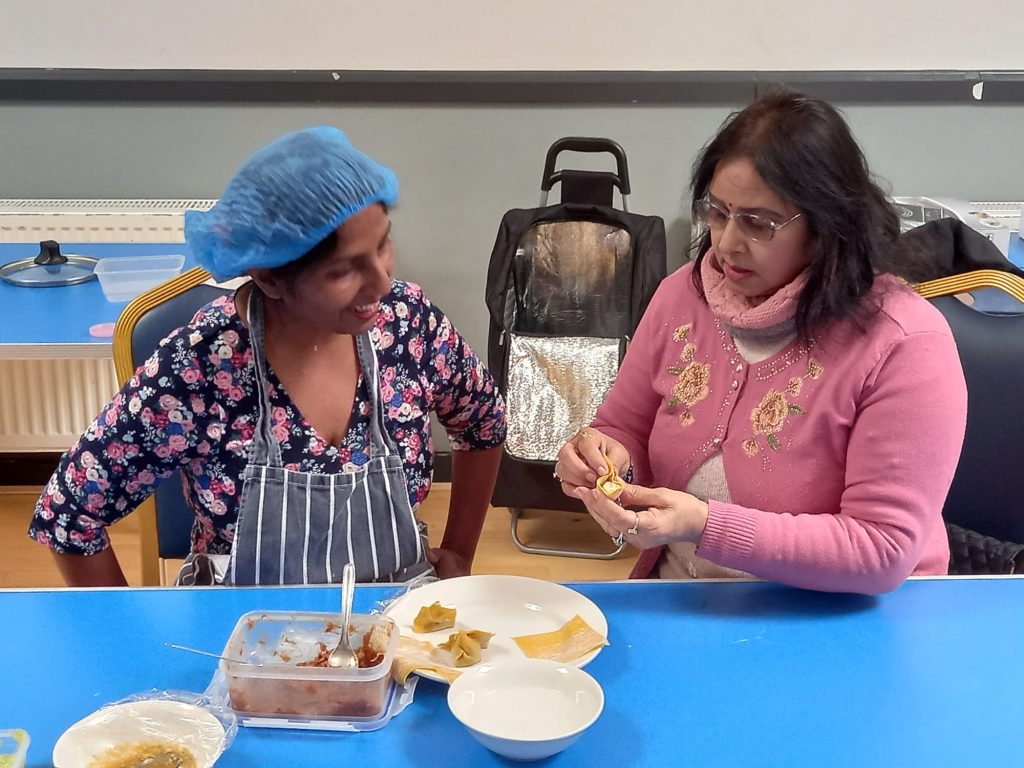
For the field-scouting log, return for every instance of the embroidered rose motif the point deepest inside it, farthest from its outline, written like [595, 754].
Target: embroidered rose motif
[692, 379]
[770, 415]
[680, 333]
[692, 385]
[690, 388]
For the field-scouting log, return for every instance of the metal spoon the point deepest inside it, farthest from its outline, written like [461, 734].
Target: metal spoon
[343, 657]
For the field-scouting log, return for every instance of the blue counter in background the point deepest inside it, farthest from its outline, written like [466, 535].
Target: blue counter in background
[55, 322]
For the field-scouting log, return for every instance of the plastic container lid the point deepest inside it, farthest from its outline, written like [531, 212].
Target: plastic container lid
[50, 268]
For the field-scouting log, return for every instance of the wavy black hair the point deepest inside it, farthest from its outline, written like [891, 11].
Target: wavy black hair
[803, 149]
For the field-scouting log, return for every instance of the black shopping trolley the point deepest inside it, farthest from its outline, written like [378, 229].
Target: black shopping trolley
[566, 287]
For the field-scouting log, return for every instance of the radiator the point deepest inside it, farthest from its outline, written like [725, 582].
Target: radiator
[95, 221]
[45, 404]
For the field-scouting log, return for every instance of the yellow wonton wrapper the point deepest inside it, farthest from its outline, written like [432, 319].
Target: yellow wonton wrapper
[419, 655]
[610, 484]
[465, 646]
[433, 617]
[415, 655]
[572, 641]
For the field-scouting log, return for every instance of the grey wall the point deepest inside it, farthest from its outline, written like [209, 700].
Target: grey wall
[462, 166]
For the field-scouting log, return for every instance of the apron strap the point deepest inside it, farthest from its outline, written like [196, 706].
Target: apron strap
[265, 449]
[381, 443]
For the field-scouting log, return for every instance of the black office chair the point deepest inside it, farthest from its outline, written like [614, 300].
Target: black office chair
[166, 520]
[984, 511]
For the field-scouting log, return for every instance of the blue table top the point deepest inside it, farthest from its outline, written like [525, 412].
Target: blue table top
[701, 674]
[63, 315]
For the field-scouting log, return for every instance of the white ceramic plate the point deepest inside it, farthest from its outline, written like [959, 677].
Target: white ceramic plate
[149, 720]
[505, 605]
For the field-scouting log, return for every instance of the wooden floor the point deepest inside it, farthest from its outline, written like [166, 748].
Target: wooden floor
[23, 563]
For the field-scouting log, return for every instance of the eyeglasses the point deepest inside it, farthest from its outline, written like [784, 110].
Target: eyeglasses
[761, 229]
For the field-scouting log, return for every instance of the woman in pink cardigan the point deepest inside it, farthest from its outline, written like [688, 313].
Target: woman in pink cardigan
[785, 411]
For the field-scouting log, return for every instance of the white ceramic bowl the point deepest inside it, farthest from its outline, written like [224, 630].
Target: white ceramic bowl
[526, 709]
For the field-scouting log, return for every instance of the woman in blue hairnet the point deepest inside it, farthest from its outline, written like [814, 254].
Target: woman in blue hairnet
[298, 408]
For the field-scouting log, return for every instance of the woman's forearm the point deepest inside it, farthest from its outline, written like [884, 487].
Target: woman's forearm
[99, 570]
[473, 476]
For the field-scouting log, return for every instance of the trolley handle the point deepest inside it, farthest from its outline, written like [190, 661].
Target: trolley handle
[584, 144]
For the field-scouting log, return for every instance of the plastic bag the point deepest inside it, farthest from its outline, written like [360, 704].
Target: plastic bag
[381, 606]
[176, 724]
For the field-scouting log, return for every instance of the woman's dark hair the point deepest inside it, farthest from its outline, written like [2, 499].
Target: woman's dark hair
[293, 269]
[290, 272]
[804, 151]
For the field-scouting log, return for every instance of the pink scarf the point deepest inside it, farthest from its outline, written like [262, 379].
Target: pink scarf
[743, 312]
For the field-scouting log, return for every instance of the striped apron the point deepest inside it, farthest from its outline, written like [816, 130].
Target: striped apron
[302, 527]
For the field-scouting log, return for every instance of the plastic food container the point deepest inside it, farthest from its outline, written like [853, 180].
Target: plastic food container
[13, 748]
[125, 277]
[268, 681]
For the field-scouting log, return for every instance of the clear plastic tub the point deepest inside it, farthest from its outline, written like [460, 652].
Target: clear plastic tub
[268, 681]
[13, 748]
[125, 277]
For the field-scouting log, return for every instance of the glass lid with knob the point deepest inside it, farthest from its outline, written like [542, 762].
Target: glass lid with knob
[50, 268]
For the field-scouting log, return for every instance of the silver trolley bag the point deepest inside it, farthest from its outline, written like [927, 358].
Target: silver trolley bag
[566, 287]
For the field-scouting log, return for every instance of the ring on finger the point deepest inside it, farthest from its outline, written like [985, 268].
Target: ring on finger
[555, 475]
[584, 433]
[635, 530]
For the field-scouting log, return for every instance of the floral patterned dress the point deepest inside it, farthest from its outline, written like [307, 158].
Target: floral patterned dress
[193, 405]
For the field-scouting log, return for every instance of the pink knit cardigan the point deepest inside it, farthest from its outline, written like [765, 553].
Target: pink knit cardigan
[838, 456]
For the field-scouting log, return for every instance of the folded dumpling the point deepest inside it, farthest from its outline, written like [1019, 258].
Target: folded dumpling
[610, 484]
[465, 646]
[433, 617]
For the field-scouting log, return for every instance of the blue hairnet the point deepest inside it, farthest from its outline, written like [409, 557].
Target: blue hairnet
[285, 199]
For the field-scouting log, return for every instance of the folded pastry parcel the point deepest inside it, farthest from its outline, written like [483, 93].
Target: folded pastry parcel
[610, 484]
[433, 617]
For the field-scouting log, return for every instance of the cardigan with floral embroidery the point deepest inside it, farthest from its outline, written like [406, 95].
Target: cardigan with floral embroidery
[838, 455]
